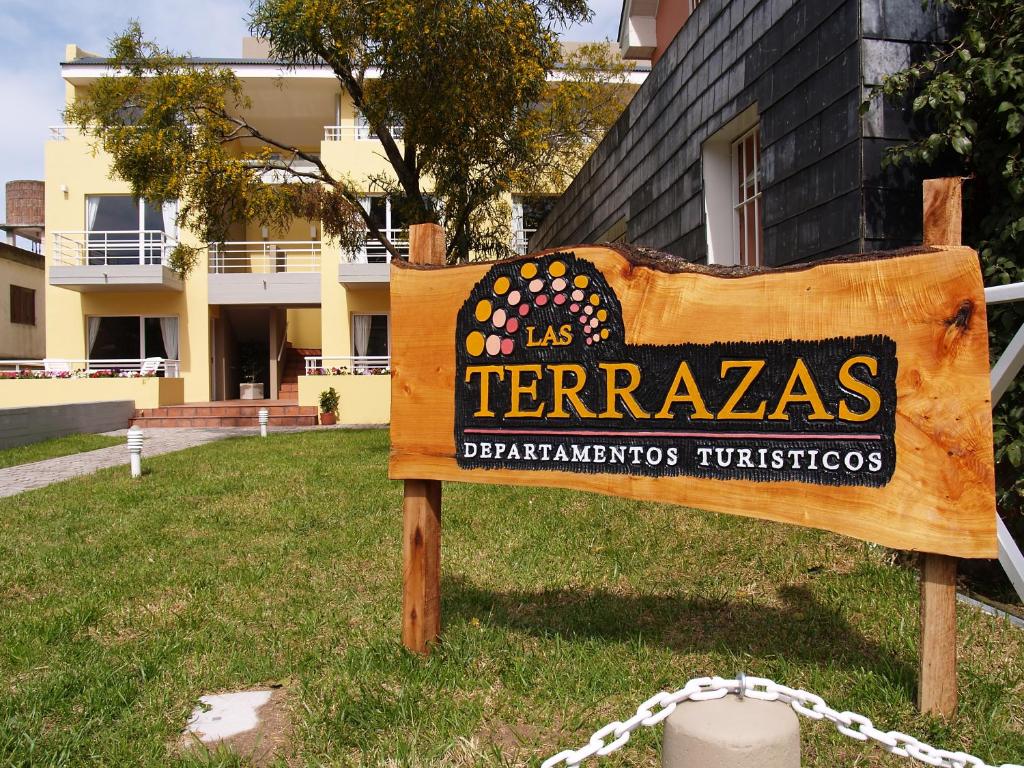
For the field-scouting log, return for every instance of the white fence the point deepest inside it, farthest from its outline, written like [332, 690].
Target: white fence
[373, 252]
[264, 257]
[357, 132]
[113, 248]
[321, 365]
[65, 367]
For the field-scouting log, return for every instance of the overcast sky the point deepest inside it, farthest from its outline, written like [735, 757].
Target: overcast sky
[33, 35]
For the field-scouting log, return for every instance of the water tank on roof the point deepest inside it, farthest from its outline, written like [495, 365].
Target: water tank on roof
[25, 203]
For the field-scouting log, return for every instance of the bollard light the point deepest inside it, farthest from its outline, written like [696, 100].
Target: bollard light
[135, 450]
[264, 420]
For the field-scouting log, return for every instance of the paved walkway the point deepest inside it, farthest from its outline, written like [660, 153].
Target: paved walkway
[26, 477]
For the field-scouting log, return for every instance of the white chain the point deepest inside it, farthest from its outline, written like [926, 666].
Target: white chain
[615, 734]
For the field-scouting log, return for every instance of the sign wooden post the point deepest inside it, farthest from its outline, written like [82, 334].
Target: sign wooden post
[936, 686]
[421, 528]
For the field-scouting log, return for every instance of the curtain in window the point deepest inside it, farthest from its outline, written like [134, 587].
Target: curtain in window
[92, 208]
[93, 327]
[169, 211]
[169, 331]
[361, 333]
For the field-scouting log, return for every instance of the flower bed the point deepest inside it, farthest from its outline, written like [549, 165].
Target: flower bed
[99, 373]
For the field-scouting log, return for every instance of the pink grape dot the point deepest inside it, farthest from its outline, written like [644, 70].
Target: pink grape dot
[577, 295]
[512, 325]
[500, 317]
[523, 309]
[514, 297]
[558, 284]
[589, 340]
[541, 300]
[588, 309]
[493, 344]
[583, 319]
[507, 345]
[574, 307]
[536, 286]
[559, 299]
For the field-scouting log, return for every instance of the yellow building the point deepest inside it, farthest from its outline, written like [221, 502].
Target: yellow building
[274, 304]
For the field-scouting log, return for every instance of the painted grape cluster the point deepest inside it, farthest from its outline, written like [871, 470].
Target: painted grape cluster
[507, 311]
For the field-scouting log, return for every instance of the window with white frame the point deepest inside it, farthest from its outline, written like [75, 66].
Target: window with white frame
[389, 221]
[126, 230]
[132, 337]
[371, 336]
[746, 161]
[731, 180]
[527, 214]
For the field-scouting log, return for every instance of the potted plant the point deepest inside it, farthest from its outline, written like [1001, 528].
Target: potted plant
[329, 406]
[250, 388]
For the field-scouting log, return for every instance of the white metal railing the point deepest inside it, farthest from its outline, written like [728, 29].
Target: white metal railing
[521, 240]
[357, 132]
[1003, 373]
[62, 132]
[373, 252]
[121, 247]
[320, 364]
[71, 367]
[264, 257]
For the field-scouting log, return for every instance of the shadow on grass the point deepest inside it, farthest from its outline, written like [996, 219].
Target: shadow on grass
[801, 629]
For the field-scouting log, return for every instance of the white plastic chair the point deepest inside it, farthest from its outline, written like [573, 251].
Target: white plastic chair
[150, 366]
[56, 365]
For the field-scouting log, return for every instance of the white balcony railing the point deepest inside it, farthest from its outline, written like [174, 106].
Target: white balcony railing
[264, 257]
[116, 248]
[357, 132]
[62, 132]
[521, 240]
[373, 252]
[60, 368]
[355, 364]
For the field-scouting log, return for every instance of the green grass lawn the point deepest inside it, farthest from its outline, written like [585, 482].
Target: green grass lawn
[58, 446]
[251, 561]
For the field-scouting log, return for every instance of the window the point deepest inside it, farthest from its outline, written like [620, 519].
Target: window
[132, 337]
[371, 337]
[389, 221]
[527, 215]
[125, 230]
[731, 178]
[746, 161]
[23, 305]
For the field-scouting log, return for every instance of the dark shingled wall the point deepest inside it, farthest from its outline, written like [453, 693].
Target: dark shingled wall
[804, 64]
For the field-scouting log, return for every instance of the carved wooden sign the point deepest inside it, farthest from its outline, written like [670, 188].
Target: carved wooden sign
[850, 395]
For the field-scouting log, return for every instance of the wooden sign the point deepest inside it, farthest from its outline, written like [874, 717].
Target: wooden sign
[850, 395]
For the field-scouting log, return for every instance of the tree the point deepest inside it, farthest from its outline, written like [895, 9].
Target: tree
[969, 95]
[466, 81]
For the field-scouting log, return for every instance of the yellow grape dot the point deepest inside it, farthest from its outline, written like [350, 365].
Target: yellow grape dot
[595, 299]
[556, 269]
[604, 333]
[581, 281]
[602, 315]
[528, 270]
[483, 310]
[501, 285]
[475, 343]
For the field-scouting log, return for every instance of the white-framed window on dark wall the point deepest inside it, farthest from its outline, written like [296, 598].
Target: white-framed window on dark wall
[746, 161]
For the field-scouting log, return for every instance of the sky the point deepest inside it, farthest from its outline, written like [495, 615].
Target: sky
[33, 35]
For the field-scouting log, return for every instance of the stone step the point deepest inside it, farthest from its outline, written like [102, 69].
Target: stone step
[233, 410]
[159, 422]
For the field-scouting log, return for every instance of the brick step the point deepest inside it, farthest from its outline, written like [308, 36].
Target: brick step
[212, 411]
[157, 422]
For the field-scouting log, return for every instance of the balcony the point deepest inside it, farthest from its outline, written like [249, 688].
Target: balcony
[264, 272]
[125, 260]
[359, 131]
[371, 265]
